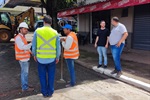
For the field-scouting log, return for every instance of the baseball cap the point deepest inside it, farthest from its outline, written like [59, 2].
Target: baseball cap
[67, 26]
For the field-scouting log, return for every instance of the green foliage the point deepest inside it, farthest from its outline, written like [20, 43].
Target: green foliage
[67, 4]
[53, 6]
[59, 4]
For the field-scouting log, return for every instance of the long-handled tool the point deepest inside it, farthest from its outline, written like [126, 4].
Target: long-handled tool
[62, 63]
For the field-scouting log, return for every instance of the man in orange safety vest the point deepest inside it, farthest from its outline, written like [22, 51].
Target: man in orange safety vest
[71, 51]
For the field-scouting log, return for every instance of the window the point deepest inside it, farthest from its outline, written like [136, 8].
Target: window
[4, 19]
[124, 12]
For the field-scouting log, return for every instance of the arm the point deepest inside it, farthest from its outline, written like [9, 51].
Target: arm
[107, 42]
[67, 44]
[21, 45]
[106, 46]
[125, 35]
[34, 46]
[58, 48]
[97, 38]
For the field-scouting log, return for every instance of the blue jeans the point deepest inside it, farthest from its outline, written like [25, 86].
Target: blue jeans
[116, 53]
[47, 77]
[70, 65]
[102, 51]
[24, 74]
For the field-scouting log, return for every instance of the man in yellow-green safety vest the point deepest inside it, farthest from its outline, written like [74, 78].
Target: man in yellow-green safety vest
[46, 52]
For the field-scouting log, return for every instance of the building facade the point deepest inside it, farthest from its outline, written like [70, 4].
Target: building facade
[134, 14]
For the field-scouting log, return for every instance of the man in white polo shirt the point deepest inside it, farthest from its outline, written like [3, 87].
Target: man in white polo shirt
[117, 39]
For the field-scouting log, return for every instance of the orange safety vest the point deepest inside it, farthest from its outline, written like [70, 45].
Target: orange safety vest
[73, 52]
[21, 54]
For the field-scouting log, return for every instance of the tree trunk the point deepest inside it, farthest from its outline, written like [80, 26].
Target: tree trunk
[50, 6]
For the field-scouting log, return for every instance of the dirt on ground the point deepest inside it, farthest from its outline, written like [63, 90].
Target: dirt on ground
[10, 86]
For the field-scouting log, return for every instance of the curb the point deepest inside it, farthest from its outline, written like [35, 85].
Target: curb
[137, 83]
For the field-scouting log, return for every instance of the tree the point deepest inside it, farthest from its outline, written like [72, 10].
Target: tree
[53, 6]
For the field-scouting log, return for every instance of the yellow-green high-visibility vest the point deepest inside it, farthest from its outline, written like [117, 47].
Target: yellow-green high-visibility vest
[46, 42]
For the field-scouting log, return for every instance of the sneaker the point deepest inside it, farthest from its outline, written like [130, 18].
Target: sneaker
[28, 90]
[99, 66]
[68, 85]
[119, 73]
[47, 96]
[114, 72]
[30, 86]
[105, 66]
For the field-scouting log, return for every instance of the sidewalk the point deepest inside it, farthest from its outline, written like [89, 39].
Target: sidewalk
[136, 63]
[108, 89]
[139, 56]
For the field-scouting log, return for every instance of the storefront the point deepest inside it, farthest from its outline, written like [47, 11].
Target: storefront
[130, 12]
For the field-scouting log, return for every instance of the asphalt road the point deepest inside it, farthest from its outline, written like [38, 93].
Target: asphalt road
[10, 75]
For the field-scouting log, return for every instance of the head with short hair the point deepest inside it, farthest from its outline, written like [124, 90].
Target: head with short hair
[47, 19]
[115, 21]
[102, 24]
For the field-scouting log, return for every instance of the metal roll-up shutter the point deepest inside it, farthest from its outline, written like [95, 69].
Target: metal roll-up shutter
[141, 36]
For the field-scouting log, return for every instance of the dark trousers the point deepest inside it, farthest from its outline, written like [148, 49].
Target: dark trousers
[47, 77]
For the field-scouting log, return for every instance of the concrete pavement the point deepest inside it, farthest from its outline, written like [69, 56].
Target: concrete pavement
[108, 89]
[140, 56]
[124, 78]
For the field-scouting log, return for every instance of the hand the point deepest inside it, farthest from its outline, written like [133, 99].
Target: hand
[30, 52]
[95, 45]
[106, 46]
[57, 61]
[35, 59]
[30, 44]
[62, 39]
[118, 44]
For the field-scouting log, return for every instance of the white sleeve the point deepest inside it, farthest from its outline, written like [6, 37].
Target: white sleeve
[123, 29]
[21, 45]
[68, 43]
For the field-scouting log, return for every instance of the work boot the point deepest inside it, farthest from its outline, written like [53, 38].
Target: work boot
[28, 90]
[47, 96]
[99, 66]
[105, 66]
[119, 73]
[68, 85]
[114, 72]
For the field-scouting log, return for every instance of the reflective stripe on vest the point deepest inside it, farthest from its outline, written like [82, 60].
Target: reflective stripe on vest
[75, 49]
[73, 52]
[46, 53]
[21, 54]
[46, 42]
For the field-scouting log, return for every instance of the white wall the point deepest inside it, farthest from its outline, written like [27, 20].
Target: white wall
[127, 21]
[84, 22]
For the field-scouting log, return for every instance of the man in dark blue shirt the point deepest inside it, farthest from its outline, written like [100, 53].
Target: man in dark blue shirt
[102, 43]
